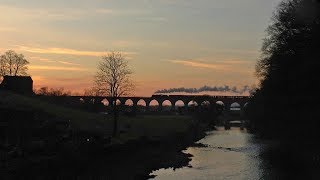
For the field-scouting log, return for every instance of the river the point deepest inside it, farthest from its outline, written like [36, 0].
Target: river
[231, 154]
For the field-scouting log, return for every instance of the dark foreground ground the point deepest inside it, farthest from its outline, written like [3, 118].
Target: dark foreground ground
[146, 143]
[135, 159]
[294, 159]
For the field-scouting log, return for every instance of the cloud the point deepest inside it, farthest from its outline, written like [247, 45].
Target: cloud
[68, 63]
[8, 29]
[42, 59]
[235, 62]
[125, 43]
[142, 14]
[62, 14]
[121, 12]
[200, 64]
[74, 79]
[227, 65]
[65, 13]
[104, 11]
[251, 52]
[67, 51]
[52, 61]
[56, 68]
[154, 19]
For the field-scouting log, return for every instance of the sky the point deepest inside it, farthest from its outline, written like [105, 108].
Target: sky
[168, 43]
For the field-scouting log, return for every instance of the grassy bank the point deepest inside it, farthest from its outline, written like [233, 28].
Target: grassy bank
[150, 143]
[131, 127]
[145, 143]
[79, 120]
[152, 127]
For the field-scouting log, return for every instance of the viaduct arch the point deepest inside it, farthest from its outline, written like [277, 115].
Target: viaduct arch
[76, 101]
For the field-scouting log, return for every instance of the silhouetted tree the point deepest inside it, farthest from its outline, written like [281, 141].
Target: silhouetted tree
[288, 69]
[92, 92]
[45, 91]
[13, 64]
[113, 79]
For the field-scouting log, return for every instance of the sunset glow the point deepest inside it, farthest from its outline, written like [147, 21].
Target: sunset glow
[169, 44]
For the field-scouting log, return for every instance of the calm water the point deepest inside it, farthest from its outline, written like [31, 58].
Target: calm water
[231, 154]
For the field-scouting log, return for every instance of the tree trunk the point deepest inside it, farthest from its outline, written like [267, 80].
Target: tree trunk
[115, 119]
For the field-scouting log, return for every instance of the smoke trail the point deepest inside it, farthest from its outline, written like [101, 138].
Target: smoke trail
[225, 88]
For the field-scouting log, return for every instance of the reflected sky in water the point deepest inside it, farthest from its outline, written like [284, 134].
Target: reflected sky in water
[232, 154]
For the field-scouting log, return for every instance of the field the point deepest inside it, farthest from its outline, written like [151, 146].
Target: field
[151, 126]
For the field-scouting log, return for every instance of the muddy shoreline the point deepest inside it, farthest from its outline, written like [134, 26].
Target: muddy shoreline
[135, 159]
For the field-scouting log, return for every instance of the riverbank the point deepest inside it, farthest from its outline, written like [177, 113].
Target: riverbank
[79, 149]
[135, 159]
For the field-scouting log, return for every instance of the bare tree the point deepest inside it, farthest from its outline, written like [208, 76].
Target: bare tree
[92, 92]
[45, 91]
[42, 91]
[13, 64]
[3, 69]
[113, 79]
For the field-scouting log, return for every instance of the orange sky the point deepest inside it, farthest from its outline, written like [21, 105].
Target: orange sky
[169, 44]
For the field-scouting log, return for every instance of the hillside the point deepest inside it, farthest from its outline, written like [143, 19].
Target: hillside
[79, 120]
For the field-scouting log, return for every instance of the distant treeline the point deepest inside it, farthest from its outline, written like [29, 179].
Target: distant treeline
[45, 91]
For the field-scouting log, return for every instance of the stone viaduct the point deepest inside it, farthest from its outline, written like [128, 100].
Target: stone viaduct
[24, 85]
[74, 101]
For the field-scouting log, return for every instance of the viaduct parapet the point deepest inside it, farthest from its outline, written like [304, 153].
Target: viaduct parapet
[75, 101]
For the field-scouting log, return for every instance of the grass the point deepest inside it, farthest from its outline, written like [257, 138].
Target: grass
[79, 120]
[135, 127]
[158, 126]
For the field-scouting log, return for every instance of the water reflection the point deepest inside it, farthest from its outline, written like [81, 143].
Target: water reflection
[232, 154]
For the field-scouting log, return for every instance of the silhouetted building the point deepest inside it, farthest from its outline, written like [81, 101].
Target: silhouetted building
[17, 84]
